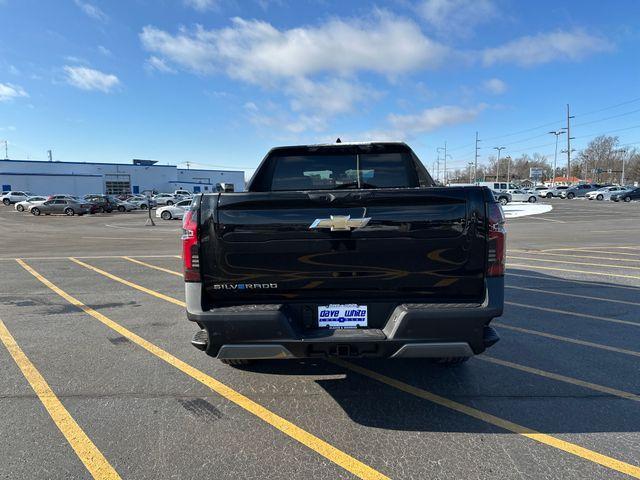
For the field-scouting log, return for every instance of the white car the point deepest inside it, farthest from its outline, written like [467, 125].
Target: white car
[605, 193]
[25, 204]
[14, 196]
[173, 211]
[166, 199]
[522, 196]
[141, 202]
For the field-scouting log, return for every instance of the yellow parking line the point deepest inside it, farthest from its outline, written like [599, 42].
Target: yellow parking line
[566, 280]
[546, 260]
[576, 256]
[155, 267]
[567, 339]
[574, 314]
[87, 452]
[175, 301]
[560, 378]
[543, 438]
[307, 439]
[540, 267]
[574, 295]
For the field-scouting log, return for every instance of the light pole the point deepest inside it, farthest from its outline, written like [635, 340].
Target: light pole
[622, 153]
[557, 133]
[508, 159]
[499, 149]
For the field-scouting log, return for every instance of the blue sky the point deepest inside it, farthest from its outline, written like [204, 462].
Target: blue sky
[219, 82]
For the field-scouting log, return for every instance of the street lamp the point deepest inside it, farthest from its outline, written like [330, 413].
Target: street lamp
[622, 151]
[555, 157]
[508, 159]
[499, 149]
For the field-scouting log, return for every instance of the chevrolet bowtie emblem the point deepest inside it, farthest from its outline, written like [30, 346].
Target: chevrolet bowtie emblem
[340, 223]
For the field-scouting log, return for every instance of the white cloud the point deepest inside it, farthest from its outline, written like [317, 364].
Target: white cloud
[547, 47]
[202, 5]
[9, 92]
[92, 11]
[104, 50]
[8, 128]
[89, 79]
[155, 63]
[331, 97]
[256, 51]
[456, 17]
[434, 118]
[494, 86]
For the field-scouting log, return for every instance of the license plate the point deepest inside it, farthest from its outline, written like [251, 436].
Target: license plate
[342, 316]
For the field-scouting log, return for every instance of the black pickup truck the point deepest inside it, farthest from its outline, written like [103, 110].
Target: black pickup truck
[346, 250]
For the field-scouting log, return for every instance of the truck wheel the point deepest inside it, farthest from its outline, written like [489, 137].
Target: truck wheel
[236, 362]
[451, 361]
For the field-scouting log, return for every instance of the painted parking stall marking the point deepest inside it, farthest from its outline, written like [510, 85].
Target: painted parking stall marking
[307, 439]
[95, 462]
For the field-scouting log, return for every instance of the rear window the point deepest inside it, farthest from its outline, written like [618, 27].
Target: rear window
[328, 172]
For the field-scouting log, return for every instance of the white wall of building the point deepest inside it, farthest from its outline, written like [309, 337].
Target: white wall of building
[46, 184]
[45, 177]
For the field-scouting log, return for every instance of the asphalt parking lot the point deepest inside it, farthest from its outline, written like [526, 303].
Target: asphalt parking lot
[99, 378]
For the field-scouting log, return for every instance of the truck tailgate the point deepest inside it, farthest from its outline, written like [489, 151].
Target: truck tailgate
[419, 245]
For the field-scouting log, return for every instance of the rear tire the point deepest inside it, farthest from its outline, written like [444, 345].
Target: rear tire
[627, 199]
[69, 212]
[451, 361]
[503, 200]
[143, 206]
[236, 362]
[549, 195]
[169, 202]
[20, 208]
[533, 199]
[6, 201]
[121, 209]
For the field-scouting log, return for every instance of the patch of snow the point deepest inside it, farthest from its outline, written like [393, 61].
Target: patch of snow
[523, 209]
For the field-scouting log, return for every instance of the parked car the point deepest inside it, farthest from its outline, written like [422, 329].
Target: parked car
[166, 199]
[579, 190]
[502, 197]
[67, 206]
[125, 206]
[522, 196]
[24, 205]
[63, 196]
[605, 193]
[14, 196]
[182, 193]
[102, 203]
[633, 194]
[550, 192]
[142, 202]
[173, 211]
[296, 292]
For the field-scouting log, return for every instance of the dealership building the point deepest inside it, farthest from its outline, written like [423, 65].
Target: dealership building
[81, 178]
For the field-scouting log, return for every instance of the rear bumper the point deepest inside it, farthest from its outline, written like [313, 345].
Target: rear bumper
[412, 330]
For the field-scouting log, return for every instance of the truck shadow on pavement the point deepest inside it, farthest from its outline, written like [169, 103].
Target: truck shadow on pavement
[534, 401]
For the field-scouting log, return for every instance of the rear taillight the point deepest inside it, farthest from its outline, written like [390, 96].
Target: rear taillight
[496, 250]
[189, 237]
